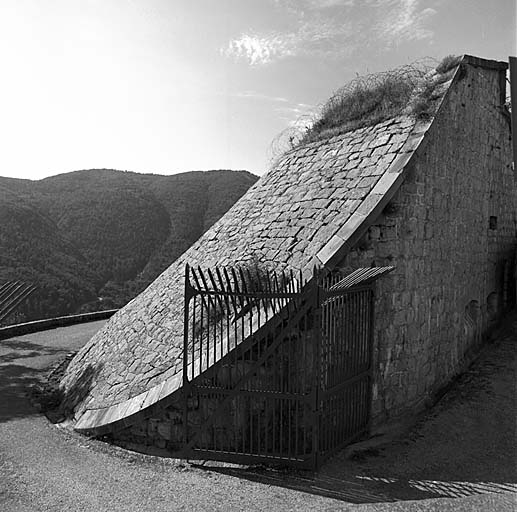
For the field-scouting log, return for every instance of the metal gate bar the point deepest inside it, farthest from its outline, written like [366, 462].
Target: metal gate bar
[275, 370]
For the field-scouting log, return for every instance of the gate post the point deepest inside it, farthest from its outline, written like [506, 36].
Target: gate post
[188, 294]
[371, 340]
[315, 392]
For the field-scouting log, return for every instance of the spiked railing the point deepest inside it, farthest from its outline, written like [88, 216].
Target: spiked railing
[276, 369]
[12, 295]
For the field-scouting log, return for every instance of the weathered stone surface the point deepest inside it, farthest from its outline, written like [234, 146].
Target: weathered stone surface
[438, 236]
[285, 219]
[315, 201]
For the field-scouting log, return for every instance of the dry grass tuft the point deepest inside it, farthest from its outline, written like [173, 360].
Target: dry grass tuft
[448, 63]
[368, 100]
[423, 104]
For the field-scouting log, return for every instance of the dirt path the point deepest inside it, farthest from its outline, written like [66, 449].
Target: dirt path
[461, 456]
[465, 446]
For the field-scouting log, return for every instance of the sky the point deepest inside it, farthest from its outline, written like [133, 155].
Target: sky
[169, 86]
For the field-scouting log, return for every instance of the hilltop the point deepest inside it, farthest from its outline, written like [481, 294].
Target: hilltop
[93, 239]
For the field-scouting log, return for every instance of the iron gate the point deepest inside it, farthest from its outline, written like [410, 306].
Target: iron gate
[275, 369]
[346, 356]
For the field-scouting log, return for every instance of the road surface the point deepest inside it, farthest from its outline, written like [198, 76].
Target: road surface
[459, 457]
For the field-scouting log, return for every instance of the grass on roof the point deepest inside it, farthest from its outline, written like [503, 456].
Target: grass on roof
[448, 63]
[366, 104]
[369, 100]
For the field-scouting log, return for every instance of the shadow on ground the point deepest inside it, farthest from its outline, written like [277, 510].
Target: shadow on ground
[365, 489]
[21, 367]
[25, 388]
[465, 445]
[20, 349]
[59, 404]
[15, 383]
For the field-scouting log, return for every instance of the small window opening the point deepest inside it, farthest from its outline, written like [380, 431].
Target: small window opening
[493, 222]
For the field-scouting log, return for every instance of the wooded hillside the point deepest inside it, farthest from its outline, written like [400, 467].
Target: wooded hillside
[93, 239]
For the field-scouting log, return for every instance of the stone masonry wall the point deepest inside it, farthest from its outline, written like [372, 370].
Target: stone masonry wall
[449, 250]
[283, 220]
[448, 230]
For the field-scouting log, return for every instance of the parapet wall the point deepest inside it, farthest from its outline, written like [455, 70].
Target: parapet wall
[52, 323]
[451, 232]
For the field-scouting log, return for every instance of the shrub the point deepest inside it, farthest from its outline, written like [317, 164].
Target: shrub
[447, 63]
[371, 99]
[423, 105]
[364, 105]
[367, 101]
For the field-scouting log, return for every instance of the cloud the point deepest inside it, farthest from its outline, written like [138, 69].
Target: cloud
[259, 96]
[300, 5]
[293, 113]
[260, 50]
[324, 4]
[320, 39]
[297, 114]
[407, 22]
[334, 29]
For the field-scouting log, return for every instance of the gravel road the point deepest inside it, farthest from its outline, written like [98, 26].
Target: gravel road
[459, 457]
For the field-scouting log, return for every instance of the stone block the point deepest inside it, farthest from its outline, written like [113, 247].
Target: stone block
[328, 253]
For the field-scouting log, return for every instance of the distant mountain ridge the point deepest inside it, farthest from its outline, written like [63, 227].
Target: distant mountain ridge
[93, 239]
